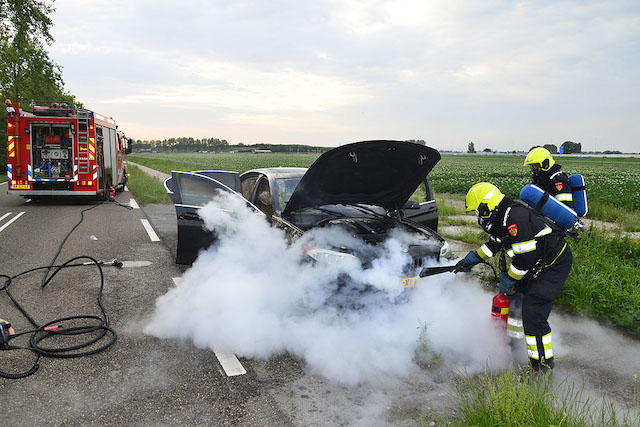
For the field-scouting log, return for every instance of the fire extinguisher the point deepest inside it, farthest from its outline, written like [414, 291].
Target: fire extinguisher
[500, 308]
[112, 194]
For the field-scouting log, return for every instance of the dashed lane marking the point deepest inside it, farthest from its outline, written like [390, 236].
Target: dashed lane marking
[134, 204]
[133, 264]
[5, 215]
[230, 363]
[8, 223]
[152, 234]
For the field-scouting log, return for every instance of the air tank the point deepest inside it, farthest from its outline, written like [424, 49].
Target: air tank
[549, 206]
[580, 204]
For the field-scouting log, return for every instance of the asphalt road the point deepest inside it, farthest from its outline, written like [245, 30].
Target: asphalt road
[141, 380]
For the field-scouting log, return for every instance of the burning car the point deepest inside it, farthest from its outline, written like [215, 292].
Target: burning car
[363, 188]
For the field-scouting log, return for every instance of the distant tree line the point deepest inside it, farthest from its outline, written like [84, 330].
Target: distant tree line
[189, 144]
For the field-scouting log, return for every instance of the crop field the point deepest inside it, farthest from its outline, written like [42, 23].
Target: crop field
[613, 182]
[610, 181]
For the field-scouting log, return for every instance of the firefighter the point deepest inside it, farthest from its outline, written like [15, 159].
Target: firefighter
[546, 174]
[540, 263]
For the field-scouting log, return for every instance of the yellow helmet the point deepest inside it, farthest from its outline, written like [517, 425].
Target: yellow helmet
[540, 156]
[483, 198]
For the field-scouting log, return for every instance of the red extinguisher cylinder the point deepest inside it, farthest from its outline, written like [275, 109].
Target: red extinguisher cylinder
[112, 193]
[500, 308]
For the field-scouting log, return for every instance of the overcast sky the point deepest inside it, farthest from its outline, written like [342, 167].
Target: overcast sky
[503, 74]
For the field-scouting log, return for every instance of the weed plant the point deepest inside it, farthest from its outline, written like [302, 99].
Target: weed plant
[518, 399]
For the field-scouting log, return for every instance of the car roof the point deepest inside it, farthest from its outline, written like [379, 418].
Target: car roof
[279, 172]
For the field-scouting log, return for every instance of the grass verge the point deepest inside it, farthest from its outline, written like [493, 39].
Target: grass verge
[604, 281]
[515, 399]
[3, 177]
[626, 220]
[145, 188]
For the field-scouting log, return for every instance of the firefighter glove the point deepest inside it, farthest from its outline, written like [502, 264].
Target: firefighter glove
[468, 262]
[507, 284]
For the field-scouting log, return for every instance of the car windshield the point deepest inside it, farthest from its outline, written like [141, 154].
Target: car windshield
[284, 189]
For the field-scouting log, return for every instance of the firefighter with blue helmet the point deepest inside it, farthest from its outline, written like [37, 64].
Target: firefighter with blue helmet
[540, 264]
[547, 174]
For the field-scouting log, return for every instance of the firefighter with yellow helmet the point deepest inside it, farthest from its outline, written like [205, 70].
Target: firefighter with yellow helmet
[540, 263]
[546, 174]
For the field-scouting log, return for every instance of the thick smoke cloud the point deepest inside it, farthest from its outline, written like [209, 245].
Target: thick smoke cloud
[255, 295]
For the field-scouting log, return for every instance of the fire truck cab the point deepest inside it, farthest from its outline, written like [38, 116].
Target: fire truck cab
[64, 150]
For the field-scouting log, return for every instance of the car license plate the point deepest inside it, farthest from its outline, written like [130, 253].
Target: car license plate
[20, 187]
[409, 282]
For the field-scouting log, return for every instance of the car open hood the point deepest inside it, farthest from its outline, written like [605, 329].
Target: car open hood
[381, 173]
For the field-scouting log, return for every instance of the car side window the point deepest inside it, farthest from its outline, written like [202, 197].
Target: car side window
[263, 197]
[196, 191]
[247, 186]
[424, 192]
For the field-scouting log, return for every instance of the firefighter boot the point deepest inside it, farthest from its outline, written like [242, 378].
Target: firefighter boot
[540, 350]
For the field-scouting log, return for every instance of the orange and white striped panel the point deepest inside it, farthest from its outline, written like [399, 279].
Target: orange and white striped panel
[11, 148]
[92, 149]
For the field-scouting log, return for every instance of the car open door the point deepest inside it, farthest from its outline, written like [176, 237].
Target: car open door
[425, 213]
[189, 191]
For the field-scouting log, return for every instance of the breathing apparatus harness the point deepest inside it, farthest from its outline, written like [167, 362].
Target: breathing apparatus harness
[550, 243]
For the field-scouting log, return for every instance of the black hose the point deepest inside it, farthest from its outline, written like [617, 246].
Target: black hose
[99, 330]
[55, 257]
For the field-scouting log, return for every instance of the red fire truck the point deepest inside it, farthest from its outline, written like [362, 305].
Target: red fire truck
[61, 149]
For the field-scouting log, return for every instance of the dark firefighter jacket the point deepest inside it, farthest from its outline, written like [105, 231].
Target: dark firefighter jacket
[556, 183]
[525, 237]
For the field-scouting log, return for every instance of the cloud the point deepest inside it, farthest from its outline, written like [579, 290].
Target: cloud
[381, 67]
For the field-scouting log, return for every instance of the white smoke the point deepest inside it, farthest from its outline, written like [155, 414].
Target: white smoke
[256, 295]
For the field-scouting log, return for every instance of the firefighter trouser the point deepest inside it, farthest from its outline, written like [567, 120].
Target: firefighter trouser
[538, 299]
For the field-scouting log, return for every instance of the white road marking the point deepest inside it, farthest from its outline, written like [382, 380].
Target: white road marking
[11, 221]
[134, 204]
[4, 216]
[126, 188]
[152, 234]
[229, 361]
[131, 264]
[230, 364]
[27, 201]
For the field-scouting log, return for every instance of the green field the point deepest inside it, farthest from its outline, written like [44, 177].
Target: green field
[611, 182]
